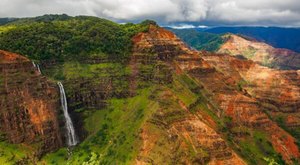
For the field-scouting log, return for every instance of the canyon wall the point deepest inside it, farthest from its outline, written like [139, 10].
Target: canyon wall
[29, 105]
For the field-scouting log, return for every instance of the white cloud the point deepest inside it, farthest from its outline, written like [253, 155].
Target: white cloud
[261, 12]
[202, 26]
[186, 26]
[182, 26]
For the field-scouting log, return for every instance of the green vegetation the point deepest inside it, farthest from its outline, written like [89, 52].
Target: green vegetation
[241, 85]
[60, 37]
[181, 87]
[113, 132]
[4, 29]
[200, 40]
[294, 131]
[10, 154]
[256, 148]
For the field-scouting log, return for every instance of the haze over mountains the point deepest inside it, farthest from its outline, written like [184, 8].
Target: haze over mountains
[138, 94]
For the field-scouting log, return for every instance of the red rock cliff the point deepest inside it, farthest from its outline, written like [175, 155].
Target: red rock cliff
[29, 104]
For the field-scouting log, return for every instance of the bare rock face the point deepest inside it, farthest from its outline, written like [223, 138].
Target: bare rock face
[260, 52]
[29, 104]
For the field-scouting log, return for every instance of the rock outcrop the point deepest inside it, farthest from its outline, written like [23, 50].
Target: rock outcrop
[29, 105]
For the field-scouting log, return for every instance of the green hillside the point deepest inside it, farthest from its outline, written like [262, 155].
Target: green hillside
[200, 40]
[61, 37]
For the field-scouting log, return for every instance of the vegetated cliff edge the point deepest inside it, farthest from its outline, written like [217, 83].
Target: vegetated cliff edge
[29, 105]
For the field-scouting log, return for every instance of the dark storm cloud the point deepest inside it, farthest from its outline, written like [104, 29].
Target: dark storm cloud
[233, 12]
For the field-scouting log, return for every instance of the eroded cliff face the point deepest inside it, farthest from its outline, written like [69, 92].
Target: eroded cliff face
[223, 80]
[174, 135]
[29, 105]
[260, 92]
[260, 52]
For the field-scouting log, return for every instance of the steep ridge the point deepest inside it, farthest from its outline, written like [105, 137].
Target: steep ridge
[260, 52]
[29, 105]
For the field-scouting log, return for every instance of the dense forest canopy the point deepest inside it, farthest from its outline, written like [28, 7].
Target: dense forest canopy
[61, 37]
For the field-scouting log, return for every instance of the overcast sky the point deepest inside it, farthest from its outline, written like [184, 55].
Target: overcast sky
[198, 12]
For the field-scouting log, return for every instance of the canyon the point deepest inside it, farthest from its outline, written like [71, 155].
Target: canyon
[164, 104]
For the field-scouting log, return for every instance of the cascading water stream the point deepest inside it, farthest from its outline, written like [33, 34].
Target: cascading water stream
[71, 136]
[33, 63]
[38, 68]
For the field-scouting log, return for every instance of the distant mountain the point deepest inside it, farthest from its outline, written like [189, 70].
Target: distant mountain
[44, 18]
[4, 21]
[288, 38]
[247, 45]
[198, 39]
[260, 52]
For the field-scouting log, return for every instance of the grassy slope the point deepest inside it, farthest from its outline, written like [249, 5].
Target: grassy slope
[113, 131]
[10, 153]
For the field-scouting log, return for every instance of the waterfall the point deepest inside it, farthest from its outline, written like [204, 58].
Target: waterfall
[33, 64]
[38, 68]
[71, 136]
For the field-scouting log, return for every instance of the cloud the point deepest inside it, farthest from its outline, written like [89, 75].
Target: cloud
[182, 26]
[186, 26]
[236, 12]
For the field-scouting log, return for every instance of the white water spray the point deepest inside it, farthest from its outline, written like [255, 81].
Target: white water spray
[71, 136]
